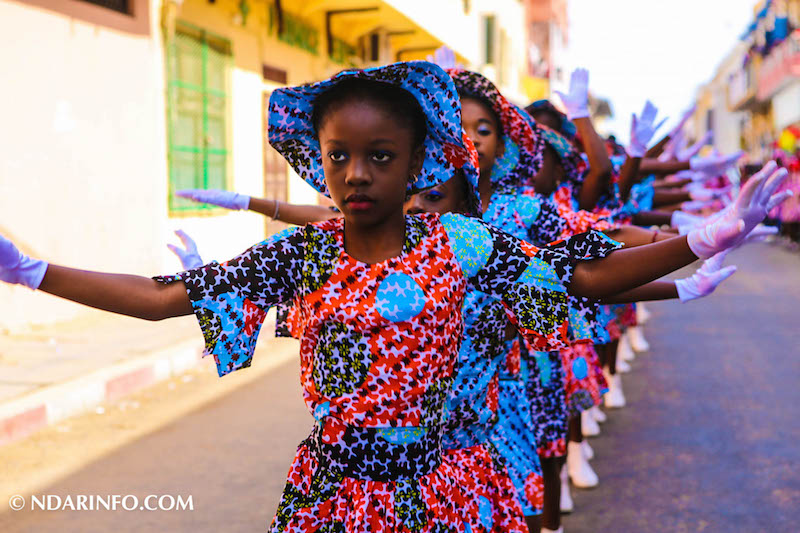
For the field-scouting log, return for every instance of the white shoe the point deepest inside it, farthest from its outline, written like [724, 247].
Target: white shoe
[587, 449]
[637, 340]
[614, 398]
[566, 504]
[579, 469]
[624, 350]
[622, 366]
[559, 530]
[589, 426]
[599, 416]
[642, 314]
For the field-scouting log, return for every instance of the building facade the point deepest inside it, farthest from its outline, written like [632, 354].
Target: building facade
[754, 96]
[113, 105]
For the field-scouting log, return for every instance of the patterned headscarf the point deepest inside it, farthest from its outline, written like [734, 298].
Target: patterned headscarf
[574, 166]
[523, 143]
[567, 128]
[447, 147]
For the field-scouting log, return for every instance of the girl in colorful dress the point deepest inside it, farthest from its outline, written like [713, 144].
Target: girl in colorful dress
[380, 293]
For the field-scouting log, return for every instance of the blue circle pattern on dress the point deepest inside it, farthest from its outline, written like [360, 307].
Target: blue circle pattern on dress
[322, 410]
[485, 510]
[475, 242]
[579, 368]
[399, 298]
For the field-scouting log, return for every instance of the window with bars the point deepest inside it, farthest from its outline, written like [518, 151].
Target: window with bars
[117, 5]
[198, 114]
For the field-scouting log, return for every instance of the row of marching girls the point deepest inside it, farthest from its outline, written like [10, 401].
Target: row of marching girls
[417, 430]
[524, 168]
[521, 189]
[675, 181]
[488, 401]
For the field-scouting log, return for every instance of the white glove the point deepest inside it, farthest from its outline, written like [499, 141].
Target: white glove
[701, 194]
[693, 150]
[226, 199]
[736, 221]
[190, 258]
[682, 122]
[675, 143]
[706, 279]
[714, 165]
[679, 218]
[696, 205]
[760, 233]
[642, 129]
[577, 101]
[18, 268]
[445, 58]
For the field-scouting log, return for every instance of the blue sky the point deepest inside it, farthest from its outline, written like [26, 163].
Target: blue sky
[657, 49]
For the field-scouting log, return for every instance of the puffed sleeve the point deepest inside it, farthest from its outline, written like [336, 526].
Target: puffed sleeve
[531, 281]
[231, 299]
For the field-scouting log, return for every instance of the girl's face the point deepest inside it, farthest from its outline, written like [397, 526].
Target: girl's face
[550, 175]
[368, 159]
[447, 197]
[483, 131]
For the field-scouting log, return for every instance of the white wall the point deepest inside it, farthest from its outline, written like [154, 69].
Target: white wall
[82, 150]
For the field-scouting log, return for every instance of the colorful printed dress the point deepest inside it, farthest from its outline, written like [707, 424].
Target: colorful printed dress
[378, 350]
[611, 208]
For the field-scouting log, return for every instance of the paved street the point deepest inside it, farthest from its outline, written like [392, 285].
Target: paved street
[709, 441]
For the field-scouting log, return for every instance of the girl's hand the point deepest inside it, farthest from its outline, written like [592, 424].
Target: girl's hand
[189, 257]
[682, 122]
[698, 193]
[226, 199]
[714, 165]
[679, 218]
[689, 153]
[735, 222]
[706, 279]
[445, 58]
[18, 268]
[577, 101]
[642, 130]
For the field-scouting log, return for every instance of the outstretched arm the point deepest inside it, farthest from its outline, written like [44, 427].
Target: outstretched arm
[299, 215]
[600, 169]
[655, 290]
[699, 285]
[135, 296]
[629, 268]
[632, 236]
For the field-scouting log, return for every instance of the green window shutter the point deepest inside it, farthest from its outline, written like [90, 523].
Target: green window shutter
[198, 70]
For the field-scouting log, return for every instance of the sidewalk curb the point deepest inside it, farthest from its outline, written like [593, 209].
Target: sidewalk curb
[25, 415]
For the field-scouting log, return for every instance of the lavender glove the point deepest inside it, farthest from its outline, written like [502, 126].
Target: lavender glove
[682, 122]
[693, 150]
[190, 258]
[714, 165]
[642, 129]
[736, 221]
[705, 280]
[577, 101]
[226, 199]
[18, 268]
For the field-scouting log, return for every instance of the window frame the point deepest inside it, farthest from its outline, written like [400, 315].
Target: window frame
[179, 207]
